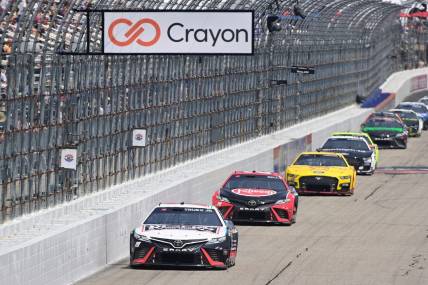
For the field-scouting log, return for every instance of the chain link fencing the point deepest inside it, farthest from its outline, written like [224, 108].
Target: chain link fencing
[189, 105]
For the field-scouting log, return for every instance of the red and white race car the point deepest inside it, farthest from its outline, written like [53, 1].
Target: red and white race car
[257, 197]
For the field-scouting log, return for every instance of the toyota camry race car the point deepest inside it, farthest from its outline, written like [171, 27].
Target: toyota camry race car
[386, 132]
[321, 173]
[356, 151]
[184, 235]
[257, 197]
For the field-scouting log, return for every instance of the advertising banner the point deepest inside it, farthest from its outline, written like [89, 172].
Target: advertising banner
[69, 158]
[139, 137]
[183, 32]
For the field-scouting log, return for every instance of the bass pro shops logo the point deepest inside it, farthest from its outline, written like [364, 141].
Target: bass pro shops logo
[135, 30]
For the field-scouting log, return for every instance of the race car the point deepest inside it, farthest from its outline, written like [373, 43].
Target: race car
[184, 235]
[420, 108]
[365, 136]
[356, 151]
[413, 123]
[322, 173]
[386, 132]
[257, 197]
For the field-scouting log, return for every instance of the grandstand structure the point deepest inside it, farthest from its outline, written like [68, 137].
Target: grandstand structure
[53, 98]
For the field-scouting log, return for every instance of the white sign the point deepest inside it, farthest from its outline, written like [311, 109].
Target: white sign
[68, 158]
[184, 32]
[139, 137]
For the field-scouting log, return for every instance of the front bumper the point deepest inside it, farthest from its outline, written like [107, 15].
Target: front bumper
[144, 253]
[325, 185]
[390, 142]
[279, 214]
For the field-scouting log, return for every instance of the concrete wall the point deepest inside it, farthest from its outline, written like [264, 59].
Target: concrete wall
[405, 83]
[72, 241]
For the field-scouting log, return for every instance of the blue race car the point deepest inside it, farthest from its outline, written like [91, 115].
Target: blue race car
[420, 109]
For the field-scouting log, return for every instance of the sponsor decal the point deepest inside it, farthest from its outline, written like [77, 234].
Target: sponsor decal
[69, 157]
[178, 32]
[254, 209]
[253, 192]
[181, 227]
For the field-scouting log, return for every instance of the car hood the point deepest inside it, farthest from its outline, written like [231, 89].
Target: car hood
[305, 170]
[186, 233]
[261, 196]
[350, 152]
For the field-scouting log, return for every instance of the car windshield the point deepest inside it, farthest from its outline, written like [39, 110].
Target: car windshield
[320, 160]
[255, 182]
[406, 115]
[345, 144]
[382, 115]
[183, 216]
[383, 124]
[416, 108]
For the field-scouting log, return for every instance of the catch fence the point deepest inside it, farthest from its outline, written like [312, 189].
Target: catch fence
[189, 105]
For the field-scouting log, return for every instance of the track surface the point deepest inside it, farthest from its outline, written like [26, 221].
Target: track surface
[377, 236]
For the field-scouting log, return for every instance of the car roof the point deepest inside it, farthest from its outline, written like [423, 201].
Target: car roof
[403, 110]
[355, 134]
[258, 173]
[347, 138]
[385, 119]
[383, 113]
[320, 153]
[411, 103]
[184, 205]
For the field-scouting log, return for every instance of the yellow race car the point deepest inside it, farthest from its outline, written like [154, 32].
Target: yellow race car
[321, 173]
[365, 136]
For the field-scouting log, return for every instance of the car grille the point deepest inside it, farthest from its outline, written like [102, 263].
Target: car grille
[141, 252]
[214, 254]
[318, 183]
[168, 243]
[177, 258]
[282, 213]
[251, 215]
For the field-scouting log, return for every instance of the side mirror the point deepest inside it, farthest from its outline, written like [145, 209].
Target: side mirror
[363, 126]
[319, 149]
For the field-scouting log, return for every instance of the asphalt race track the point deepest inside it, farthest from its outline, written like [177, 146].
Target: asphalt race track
[377, 236]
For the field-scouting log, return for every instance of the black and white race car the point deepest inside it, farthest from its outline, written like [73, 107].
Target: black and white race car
[184, 235]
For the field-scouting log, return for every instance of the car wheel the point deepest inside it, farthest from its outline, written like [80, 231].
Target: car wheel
[293, 220]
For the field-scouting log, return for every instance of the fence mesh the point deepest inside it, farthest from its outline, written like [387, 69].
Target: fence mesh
[189, 105]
